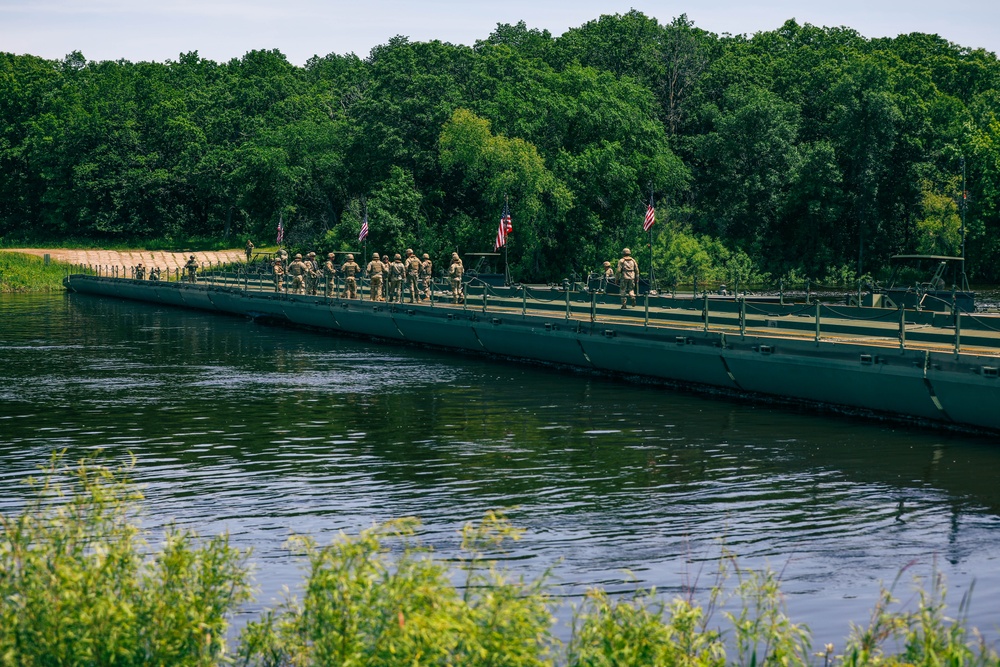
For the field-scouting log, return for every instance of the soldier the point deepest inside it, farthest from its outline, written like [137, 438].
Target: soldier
[140, 271]
[278, 270]
[455, 272]
[412, 275]
[426, 274]
[628, 276]
[313, 274]
[248, 250]
[154, 273]
[397, 271]
[375, 269]
[297, 270]
[330, 269]
[607, 276]
[350, 269]
[192, 269]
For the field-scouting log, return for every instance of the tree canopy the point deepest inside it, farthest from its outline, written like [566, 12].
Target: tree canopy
[801, 150]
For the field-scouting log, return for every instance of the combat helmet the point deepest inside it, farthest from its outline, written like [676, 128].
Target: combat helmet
[626, 251]
[607, 263]
[426, 256]
[330, 255]
[350, 257]
[298, 255]
[397, 256]
[192, 257]
[374, 255]
[409, 251]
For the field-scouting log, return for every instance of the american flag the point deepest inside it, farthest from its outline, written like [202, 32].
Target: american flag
[650, 218]
[281, 229]
[504, 229]
[364, 227]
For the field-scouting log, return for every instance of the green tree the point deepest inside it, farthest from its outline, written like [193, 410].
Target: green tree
[750, 156]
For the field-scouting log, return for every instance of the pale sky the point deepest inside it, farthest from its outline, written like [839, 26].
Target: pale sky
[219, 30]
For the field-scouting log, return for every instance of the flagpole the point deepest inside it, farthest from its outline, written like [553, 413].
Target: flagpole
[651, 277]
[364, 248]
[506, 266]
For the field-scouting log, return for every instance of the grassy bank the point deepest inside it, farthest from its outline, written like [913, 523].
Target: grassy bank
[79, 585]
[27, 273]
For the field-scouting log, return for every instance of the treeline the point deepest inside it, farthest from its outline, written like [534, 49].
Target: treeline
[801, 151]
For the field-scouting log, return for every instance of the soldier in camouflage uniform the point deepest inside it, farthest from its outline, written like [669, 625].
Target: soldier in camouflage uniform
[607, 276]
[397, 271]
[278, 271]
[628, 276]
[385, 276]
[330, 269]
[375, 270]
[192, 269]
[455, 272]
[412, 264]
[350, 269]
[140, 271]
[313, 274]
[297, 270]
[426, 274]
[249, 250]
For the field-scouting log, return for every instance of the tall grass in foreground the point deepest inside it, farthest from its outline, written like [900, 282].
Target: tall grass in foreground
[26, 273]
[80, 586]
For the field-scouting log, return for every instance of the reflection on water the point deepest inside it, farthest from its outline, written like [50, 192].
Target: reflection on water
[265, 431]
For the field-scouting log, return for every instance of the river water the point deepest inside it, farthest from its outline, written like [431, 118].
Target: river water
[265, 431]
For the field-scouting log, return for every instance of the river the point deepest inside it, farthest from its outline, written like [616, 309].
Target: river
[264, 431]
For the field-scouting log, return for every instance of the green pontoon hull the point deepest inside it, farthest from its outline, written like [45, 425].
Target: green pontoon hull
[932, 382]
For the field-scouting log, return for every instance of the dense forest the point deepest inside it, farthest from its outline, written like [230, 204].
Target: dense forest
[804, 151]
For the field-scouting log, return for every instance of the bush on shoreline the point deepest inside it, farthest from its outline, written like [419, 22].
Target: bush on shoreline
[26, 273]
[79, 585]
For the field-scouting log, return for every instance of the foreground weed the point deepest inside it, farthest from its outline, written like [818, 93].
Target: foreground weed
[79, 586]
[638, 631]
[927, 636]
[764, 634]
[366, 605]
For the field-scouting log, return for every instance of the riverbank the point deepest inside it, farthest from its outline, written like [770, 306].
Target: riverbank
[20, 272]
[25, 270]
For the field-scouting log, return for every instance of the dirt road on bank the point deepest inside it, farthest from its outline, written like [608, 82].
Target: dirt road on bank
[165, 261]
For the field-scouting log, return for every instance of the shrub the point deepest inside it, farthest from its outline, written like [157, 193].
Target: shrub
[79, 585]
[20, 272]
[363, 606]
